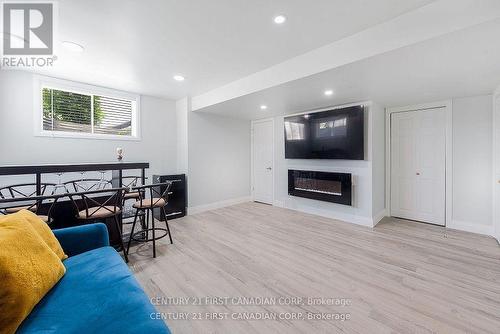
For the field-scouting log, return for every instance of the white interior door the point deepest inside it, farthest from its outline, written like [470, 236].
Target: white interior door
[418, 165]
[263, 143]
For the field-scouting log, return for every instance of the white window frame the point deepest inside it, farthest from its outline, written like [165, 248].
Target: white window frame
[80, 88]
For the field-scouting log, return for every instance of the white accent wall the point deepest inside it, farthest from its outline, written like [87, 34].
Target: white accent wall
[472, 164]
[19, 145]
[378, 163]
[368, 176]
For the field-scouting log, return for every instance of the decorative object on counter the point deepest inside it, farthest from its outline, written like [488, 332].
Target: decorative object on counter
[119, 153]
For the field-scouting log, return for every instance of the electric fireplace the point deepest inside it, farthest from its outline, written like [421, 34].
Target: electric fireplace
[323, 186]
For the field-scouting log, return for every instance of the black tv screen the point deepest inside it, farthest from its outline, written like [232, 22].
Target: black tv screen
[332, 134]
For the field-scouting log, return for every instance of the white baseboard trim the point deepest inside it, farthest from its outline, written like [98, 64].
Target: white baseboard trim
[471, 227]
[279, 204]
[379, 216]
[345, 217]
[217, 205]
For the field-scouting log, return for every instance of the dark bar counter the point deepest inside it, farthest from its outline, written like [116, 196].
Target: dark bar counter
[67, 168]
[117, 169]
[64, 212]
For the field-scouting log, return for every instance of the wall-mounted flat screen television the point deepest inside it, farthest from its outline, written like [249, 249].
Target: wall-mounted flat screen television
[331, 134]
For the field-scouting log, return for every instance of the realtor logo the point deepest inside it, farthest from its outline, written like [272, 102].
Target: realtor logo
[28, 28]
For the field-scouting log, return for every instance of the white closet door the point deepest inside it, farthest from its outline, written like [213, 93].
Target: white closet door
[418, 165]
[403, 165]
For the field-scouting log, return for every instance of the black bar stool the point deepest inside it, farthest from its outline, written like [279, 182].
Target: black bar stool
[131, 182]
[25, 190]
[158, 199]
[99, 205]
[89, 184]
[34, 204]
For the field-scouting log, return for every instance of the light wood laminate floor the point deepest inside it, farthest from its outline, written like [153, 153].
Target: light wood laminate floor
[400, 277]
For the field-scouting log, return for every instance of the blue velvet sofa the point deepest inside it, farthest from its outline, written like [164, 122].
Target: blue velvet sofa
[98, 293]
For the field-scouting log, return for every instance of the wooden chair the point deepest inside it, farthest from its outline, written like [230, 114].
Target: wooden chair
[99, 205]
[157, 199]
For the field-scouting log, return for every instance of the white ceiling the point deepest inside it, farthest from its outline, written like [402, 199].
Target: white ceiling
[139, 45]
[463, 63]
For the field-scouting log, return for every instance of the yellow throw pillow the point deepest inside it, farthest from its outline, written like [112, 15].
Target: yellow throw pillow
[28, 270]
[44, 231]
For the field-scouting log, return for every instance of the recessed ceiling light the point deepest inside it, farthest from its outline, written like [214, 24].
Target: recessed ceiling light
[328, 92]
[263, 107]
[72, 46]
[280, 19]
[179, 77]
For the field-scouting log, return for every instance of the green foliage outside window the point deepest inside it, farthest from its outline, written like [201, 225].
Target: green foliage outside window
[71, 107]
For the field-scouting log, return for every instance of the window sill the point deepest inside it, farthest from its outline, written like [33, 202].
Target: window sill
[91, 136]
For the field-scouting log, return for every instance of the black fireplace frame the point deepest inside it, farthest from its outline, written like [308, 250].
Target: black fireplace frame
[344, 178]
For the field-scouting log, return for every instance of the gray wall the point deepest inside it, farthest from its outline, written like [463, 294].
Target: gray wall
[219, 158]
[472, 160]
[19, 145]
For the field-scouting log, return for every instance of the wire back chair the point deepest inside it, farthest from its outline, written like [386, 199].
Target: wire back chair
[36, 205]
[157, 199]
[158, 195]
[131, 182]
[89, 185]
[24, 191]
[97, 205]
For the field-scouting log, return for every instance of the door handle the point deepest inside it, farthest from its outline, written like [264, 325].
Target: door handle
[269, 168]
[418, 173]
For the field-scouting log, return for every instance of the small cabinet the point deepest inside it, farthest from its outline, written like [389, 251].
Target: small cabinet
[177, 196]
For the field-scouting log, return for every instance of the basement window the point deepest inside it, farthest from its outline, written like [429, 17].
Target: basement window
[77, 110]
